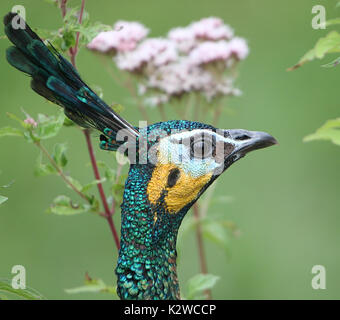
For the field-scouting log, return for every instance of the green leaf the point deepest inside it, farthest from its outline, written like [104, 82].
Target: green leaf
[7, 185]
[51, 38]
[75, 182]
[69, 39]
[88, 31]
[332, 64]
[71, 14]
[68, 122]
[98, 90]
[88, 186]
[329, 131]
[9, 131]
[63, 205]
[199, 283]
[116, 107]
[3, 199]
[118, 190]
[59, 155]
[109, 173]
[28, 293]
[95, 204]
[49, 127]
[65, 37]
[333, 22]
[93, 285]
[328, 44]
[43, 169]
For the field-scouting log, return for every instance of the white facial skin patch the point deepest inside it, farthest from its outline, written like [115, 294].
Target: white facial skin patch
[197, 152]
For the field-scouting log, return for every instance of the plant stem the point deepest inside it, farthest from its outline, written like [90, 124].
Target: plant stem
[73, 53]
[63, 7]
[199, 237]
[108, 214]
[60, 171]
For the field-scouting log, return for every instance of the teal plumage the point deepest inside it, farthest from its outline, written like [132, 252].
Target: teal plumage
[146, 266]
[172, 164]
[56, 79]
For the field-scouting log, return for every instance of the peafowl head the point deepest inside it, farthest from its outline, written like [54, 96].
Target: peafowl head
[172, 164]
[188, 156]
[184, 158]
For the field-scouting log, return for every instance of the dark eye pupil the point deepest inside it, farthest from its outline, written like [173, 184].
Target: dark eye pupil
[173, 177]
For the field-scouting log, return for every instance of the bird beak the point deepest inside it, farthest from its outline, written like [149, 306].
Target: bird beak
[244, 141]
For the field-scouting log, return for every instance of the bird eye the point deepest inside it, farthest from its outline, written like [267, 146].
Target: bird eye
[201, 149]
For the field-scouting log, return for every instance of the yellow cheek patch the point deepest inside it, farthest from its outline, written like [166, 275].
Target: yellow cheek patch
[183, 192]
[158, 181]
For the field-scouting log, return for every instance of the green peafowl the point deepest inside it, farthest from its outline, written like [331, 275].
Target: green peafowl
[172, 164]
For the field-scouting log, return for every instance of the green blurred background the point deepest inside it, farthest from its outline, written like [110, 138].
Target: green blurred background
[285, 199]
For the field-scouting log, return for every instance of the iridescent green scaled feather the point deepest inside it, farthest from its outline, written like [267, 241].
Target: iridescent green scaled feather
[147, 259]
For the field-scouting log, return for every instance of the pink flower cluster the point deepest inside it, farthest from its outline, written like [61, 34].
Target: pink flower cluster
[155, 51]
[209, 51]
[207, 29]
[195, 58]
[125, 37]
